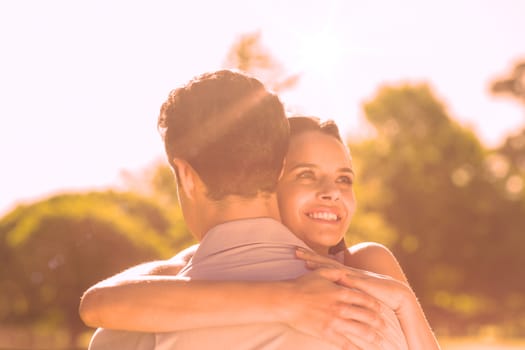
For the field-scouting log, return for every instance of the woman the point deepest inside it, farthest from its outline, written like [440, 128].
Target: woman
[317, 202]
[316, 197]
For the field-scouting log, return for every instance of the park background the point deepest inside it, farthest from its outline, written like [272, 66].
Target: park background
[430, 96]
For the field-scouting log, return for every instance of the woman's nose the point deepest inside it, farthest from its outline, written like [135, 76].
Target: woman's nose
[329, 191]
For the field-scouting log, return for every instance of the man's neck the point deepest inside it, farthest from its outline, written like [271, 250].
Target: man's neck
[239, 208]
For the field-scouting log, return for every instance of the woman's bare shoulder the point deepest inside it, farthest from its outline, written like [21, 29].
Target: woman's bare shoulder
[374, 257]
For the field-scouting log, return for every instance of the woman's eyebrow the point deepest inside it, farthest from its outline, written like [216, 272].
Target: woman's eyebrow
[346, 170]
[303, 165]
[312, 165]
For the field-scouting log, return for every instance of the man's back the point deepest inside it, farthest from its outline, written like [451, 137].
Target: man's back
[252, 249]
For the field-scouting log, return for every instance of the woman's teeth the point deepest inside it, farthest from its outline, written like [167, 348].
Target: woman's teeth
[323, 216]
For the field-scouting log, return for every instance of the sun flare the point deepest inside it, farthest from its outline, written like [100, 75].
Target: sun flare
[320, 52]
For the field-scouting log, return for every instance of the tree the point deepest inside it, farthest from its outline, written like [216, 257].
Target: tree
[455, 228]
[248, 54]
[157, 182]
[513, 85]
[509, 159]
[53, 250]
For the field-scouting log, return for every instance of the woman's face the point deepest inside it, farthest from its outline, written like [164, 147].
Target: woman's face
[316, 197]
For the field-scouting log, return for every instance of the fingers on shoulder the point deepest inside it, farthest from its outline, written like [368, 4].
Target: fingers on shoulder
[331, 273]
[355, 297]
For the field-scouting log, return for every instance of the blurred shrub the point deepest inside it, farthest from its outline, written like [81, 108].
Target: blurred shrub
[53, 250]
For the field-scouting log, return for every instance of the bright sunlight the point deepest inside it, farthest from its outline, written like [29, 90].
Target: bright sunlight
[320, 52]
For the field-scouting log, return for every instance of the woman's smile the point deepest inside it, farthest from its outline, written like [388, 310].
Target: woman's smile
[324, 214]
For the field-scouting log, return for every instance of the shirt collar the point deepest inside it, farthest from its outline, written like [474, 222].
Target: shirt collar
[246, 231]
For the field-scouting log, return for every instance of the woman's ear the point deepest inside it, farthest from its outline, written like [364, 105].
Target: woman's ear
[187, 178]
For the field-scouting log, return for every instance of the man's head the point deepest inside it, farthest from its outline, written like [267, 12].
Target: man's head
[230, 130]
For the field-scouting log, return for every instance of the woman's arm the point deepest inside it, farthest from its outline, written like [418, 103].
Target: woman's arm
[139, 299]
[122, 302]
[376, 271]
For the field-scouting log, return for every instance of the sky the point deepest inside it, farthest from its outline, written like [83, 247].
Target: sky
[81, 82]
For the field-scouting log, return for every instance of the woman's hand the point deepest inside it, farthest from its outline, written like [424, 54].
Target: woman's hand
[396, 294]
[318, 305]
[393, 293]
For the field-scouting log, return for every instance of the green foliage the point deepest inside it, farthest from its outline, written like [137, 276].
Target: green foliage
[249, 55]
[53, 250]
[452, 224]
[512, 85]
[157, 182]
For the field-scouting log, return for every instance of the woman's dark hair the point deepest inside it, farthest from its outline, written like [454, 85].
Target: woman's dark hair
[300, 124]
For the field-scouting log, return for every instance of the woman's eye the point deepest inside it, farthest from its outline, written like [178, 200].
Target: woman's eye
[308, 174]
[345, 180]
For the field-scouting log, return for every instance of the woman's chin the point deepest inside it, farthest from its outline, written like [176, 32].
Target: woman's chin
[323, 247]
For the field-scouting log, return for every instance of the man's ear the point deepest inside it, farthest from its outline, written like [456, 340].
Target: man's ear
[187, 178]
[282, 169]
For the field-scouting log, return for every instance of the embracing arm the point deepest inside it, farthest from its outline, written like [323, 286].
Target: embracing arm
[376, 271]
[379, 259]
[150, 298]
[128, 300]
[167, 303]
[400, 297]
[311, 304]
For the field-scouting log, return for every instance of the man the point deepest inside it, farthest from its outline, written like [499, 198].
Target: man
[225, 137]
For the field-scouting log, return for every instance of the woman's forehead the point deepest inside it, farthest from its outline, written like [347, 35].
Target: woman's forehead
[316, 146]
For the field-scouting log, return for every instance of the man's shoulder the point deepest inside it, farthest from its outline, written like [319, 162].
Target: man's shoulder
[185, 255]
[251, 249]
[110, 339]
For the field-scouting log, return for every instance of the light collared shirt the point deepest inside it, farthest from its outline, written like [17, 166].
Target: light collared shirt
[260, 249]
[251, 249]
